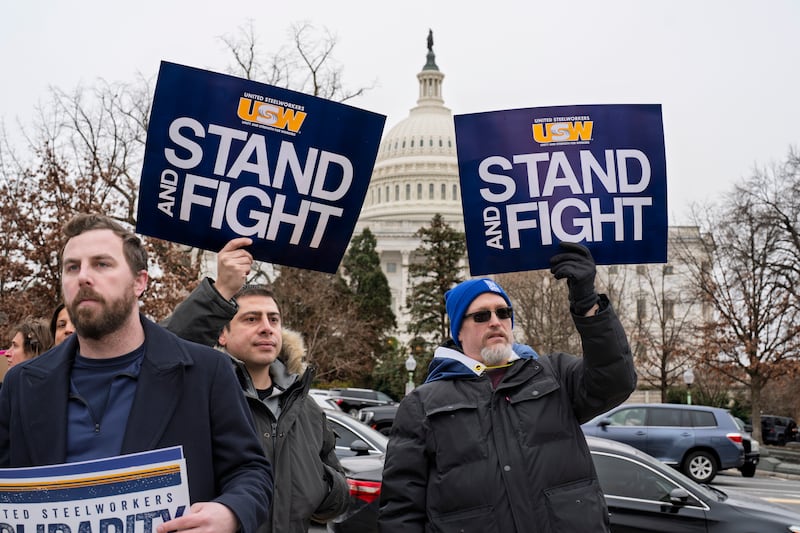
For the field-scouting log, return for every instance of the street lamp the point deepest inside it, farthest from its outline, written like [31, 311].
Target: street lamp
[688, 378]
[411, 365]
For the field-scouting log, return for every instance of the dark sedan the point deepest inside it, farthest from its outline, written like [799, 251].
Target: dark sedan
[646, 496]
[361, 451]
[364, 478]
[354, 437]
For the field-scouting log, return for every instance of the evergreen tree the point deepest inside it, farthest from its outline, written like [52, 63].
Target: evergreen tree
[436, 268]
[389, 375]
[362, 267]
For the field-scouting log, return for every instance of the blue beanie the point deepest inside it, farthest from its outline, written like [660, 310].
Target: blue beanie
[458, 298]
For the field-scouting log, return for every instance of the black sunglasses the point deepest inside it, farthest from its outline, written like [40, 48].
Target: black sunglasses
[503, 313]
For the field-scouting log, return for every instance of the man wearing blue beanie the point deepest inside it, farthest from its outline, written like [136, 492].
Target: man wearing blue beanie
[492, 440]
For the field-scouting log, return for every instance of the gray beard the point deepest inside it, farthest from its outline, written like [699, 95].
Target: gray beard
[496, 355]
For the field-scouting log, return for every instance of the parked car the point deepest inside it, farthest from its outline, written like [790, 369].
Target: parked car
[352, 399]
[778, 429]
[379, 417]
[323, 399]
[752, 450]
[361, 451]
[698, 440]
[644, 495]
[354, 437]
[364, 475]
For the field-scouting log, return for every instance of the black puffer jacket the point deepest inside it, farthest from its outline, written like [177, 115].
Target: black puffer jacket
[464, 457]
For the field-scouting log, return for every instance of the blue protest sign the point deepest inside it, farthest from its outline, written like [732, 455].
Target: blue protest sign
[530, 178]
[228, 157]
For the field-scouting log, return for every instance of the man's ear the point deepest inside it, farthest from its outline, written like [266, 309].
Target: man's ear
[223, 338]
[140, 283]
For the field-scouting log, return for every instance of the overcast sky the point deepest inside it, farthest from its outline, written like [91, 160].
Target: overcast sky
[725, 71]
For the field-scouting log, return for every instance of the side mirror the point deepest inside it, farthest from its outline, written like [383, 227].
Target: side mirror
[604, 422]
[678, 497]
[360, 447]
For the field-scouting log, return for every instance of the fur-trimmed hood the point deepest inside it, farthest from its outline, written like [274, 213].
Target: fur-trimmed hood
[293, 352]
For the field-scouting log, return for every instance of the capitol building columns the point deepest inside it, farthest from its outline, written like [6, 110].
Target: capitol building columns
[415, 177]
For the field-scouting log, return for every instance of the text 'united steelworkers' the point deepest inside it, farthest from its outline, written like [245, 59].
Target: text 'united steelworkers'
[621, 171]
[318, 177]
[143, 514]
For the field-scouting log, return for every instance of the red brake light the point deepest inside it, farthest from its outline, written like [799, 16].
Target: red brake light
[735, 437]
[367, 491]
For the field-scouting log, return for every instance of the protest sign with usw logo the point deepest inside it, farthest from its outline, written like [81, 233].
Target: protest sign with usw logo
[227, 157]
[531, 178]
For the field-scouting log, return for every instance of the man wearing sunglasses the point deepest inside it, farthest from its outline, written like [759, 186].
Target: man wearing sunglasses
[491, 442]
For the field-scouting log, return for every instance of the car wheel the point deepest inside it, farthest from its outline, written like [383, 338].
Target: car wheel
[700, 466]
[781, 440]
[748, 470]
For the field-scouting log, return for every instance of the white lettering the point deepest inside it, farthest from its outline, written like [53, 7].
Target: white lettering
[169, 184]
[195, 150]
[492, 223]
[509, 187]
[226, 136]
[327, 159]
[569, 219]
[625, 184]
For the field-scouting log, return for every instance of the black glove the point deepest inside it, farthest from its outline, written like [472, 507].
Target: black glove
[577, 265]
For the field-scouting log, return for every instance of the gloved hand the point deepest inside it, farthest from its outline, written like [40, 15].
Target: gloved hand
[577, 265]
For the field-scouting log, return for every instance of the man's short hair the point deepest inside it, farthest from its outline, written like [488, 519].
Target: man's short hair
[132, 247]
[255, 289]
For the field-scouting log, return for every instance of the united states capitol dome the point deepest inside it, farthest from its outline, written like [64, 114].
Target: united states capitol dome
[416, 171]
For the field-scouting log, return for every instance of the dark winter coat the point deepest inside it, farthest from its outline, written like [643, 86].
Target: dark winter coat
[181, 398]
[465, 457]
[309, 480]
[301, 446]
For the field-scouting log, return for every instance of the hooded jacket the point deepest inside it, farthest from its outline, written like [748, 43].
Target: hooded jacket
[465, 456]
[299, 442]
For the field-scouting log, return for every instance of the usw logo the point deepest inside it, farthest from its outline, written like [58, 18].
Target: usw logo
[551, 132]
[270, 114]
